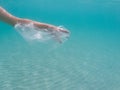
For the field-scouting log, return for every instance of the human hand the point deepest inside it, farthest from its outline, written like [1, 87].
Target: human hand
[56, 32]
[43, 26]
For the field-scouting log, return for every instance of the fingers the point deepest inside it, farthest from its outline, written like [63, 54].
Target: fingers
[65, 31]
[44, 26]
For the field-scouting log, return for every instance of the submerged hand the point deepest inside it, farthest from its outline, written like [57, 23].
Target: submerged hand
[54, 31]
[13, 20]
[43, 26]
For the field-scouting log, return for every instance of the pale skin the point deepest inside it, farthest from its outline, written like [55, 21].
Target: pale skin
[13, 20]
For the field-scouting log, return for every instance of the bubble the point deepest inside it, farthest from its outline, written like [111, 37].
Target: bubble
[32, 33]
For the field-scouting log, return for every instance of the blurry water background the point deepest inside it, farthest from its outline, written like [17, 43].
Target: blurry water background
[89, 60]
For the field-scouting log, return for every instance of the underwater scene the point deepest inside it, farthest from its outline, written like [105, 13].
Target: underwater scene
[86, 58]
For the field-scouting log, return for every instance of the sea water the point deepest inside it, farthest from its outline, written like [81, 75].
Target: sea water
[88, 60]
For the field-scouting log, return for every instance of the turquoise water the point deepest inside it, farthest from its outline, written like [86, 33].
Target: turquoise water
[88, 60]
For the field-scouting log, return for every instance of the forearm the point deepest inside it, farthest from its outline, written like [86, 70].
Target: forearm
[7, 17]
[12, 20]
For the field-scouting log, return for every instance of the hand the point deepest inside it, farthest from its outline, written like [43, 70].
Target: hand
[43, 25]
[55, 31]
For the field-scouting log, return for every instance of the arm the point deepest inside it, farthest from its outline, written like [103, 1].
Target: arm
[12, 20]
[7, 17]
